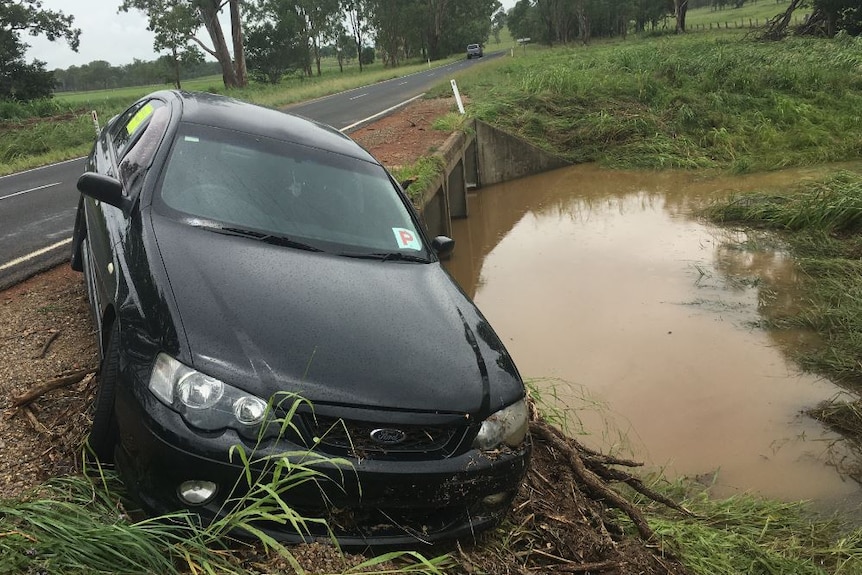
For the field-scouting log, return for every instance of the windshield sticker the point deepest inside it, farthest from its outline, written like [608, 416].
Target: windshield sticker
[406, 239]
[145, 112]
[192, 139]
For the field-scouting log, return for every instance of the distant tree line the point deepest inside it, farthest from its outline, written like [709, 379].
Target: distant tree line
[266, 39]
[101, 75]
[270, 39]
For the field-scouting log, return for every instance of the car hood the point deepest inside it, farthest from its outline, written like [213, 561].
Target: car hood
[333, 329]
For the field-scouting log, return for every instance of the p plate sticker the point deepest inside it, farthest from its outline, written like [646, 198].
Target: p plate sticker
[145, 112]
[406, 239]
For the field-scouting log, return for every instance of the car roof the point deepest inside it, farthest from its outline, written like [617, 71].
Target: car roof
[232, 114]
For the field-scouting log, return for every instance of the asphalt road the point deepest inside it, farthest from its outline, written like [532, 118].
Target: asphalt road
[37, 207]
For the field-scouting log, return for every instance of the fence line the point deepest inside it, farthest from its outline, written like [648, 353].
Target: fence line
[756, 23]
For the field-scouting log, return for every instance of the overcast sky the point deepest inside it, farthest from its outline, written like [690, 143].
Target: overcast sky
[107, 35]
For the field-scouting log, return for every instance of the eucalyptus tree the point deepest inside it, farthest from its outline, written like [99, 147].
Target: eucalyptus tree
[322, 24]
[560, 18]
[450, 25]
[498, 22]
[680, 9]
[524, 21]
[18, 79]
[276, 39]
[839, 15]
[177, 22]
[359, 20]
[170, 21]
[398, 25]
[345, 49]
[650, 12]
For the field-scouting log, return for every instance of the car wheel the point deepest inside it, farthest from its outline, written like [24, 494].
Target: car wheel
[104, 434]
[77, 259]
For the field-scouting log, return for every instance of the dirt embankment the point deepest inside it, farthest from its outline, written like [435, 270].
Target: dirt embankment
[563, 521]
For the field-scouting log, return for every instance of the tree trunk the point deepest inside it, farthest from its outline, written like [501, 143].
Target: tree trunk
[209, 15]
[680, 9]
[436, 15]
[176, 61]
[238, 48]
[355, 15]
[583, 21]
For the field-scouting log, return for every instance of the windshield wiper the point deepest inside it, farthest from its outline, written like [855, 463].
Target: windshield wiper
[388, 257]
[266, 238]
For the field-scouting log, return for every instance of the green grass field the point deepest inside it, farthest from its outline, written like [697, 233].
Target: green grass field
[750, 14]
[67, 129]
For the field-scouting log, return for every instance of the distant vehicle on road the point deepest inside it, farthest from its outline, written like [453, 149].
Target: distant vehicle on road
[474, 51]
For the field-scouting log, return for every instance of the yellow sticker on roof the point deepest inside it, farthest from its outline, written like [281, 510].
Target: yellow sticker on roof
[145, 112]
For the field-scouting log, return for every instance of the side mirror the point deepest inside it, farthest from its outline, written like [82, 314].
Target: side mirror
[443, 246]
[105, 189]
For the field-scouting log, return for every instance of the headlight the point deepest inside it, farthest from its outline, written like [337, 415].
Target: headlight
[509, 426]
[203, 401]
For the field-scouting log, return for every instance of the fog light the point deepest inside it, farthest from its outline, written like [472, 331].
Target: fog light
[197, 492]
[496, 499]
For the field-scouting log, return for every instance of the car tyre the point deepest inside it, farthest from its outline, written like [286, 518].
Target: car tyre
[104, 434]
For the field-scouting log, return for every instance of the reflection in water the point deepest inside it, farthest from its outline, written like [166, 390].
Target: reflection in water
[604, 280]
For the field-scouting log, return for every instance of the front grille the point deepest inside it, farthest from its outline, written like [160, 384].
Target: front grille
[357, 438]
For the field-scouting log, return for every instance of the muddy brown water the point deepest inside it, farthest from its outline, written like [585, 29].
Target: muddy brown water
[641, 319]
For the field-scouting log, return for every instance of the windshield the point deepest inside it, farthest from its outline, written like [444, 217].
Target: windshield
[328, 201]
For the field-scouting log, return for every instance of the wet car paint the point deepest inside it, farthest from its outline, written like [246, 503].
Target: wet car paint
[386, 344]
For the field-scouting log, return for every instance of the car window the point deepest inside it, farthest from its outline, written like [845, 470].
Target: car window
[142, 148]
[128, 126]
[334, 202]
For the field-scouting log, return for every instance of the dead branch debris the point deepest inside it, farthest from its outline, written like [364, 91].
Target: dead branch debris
[591, 470]
[34, 421]
[776, 28]
[62, 380]
[48, 343]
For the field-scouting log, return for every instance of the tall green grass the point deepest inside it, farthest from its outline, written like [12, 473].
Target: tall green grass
[696, 101]
[821, 223]
[81, 524]
[755, 536]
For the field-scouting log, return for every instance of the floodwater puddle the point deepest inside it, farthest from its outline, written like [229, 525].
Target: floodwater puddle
[626, 307]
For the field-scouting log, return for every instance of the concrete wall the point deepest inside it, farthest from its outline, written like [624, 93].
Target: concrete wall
[480, 156]
[503, 157]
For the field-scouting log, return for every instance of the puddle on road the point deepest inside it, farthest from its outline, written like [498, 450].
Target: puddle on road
[604, 283]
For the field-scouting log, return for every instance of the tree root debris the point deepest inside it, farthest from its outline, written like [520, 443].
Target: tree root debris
[592, 472]
[563, 521]
[62, 380]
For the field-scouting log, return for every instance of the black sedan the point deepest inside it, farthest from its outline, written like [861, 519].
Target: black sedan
[272, 313]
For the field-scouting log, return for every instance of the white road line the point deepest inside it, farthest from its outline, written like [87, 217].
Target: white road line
[402, 83]
[42, 167]
[35, 254]
[30, 190]
[359, 96]
[383, 113]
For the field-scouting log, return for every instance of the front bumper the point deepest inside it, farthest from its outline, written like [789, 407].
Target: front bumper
[369, 502]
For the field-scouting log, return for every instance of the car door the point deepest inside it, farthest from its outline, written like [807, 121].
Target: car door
[106, 224]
